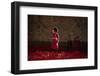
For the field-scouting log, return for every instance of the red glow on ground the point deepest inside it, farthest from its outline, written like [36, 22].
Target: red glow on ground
[53, 55]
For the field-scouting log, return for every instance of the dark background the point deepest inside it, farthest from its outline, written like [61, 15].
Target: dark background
[70, 28]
